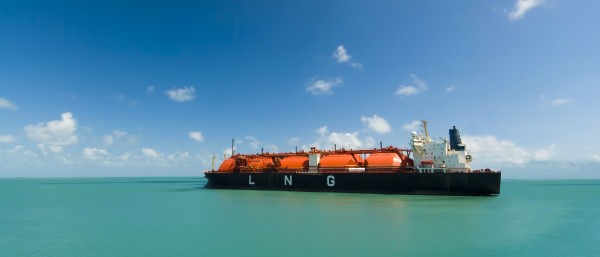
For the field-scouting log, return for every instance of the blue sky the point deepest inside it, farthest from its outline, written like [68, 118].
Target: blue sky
[156, 89]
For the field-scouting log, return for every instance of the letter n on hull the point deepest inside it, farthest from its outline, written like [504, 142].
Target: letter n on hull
[287, 181]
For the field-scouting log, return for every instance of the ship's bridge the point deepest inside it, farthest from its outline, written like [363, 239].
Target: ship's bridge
[439, 156]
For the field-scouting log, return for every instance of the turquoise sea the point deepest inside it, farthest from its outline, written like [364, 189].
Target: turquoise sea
[178, 217]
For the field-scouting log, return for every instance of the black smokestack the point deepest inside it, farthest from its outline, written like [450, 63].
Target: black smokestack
[455, 141]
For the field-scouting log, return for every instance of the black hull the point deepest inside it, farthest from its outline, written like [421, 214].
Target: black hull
[388, 183]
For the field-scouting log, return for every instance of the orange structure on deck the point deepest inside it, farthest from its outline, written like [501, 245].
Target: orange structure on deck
[340, 161]
[260, 162]
[228, 165]
[294, 163]
[384, 160]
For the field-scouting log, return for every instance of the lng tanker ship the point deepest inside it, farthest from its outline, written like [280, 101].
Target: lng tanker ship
[436, 167]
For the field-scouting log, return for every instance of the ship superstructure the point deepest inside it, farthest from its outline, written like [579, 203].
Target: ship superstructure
[439, 156]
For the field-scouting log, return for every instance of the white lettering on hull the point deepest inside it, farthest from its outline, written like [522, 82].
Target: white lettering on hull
[287, 180]
[330, 180]
[250, 182]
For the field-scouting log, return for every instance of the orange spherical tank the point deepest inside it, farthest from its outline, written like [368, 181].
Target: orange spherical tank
[294, 163]
[258, 163]
[384, 160]
[227, 165]
[340, 160]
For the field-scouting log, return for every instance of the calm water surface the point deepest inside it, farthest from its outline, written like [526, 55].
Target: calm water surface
[178, 217]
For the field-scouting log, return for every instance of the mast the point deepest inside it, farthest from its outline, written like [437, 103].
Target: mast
[213, 162]
[425, 128]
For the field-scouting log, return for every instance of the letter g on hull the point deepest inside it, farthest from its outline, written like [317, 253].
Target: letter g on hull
[330, 180]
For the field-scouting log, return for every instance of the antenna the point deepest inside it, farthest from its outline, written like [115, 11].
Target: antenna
[213, 162]
[232, 145]
[425, 128]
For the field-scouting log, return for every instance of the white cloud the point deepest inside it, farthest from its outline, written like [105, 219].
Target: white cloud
[412, 126]
[522, 7]
[50, 148]
[5, 139]
[18, 156]
[341, 55]
[293, 141]
[4, 103]
[150, 89]
[406, 90]
[42, 149]
[253, 142]
[19, 159]
[596, 157]
[271, 148]
[556, 101]
[327, 139]
[416, 86]
[65, 159]
[323, 131]
[196, 136]
[227, 151]
[152, 157]
[94, 154]
[120, 97]
[176, 159]
[345, 139]
[111, 139]
[369, 142]
[489, 150]
[108, 140]
[133, 139]
[449, 89]
[323, 87]
[182, 94]
[561, 101]
[544, 154]
[148, 157]
[179, 157]
[124, 157]
[357, 65]
[150, 152]
[119, 134]
[54, 135]
[17, 148]
[377, 124]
